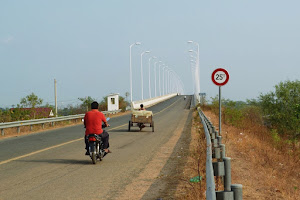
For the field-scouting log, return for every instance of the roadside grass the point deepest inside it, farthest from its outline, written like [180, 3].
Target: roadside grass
[195, 165]
[265, 163]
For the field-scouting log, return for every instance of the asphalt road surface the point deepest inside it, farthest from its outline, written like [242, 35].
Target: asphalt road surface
[52, 164]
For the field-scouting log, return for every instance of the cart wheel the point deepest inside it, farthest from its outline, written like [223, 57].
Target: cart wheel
[129, 124]
[152, 124]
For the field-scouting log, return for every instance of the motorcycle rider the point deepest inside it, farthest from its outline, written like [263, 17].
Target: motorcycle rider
[93, 123]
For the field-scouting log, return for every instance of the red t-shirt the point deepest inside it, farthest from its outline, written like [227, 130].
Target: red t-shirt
[93, 122]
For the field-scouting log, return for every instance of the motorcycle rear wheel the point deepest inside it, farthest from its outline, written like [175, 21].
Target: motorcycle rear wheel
[94, 158]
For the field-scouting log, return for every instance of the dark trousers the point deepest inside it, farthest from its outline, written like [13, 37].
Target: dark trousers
[104, 137]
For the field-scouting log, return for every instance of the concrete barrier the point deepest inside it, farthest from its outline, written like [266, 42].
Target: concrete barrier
[150, 102]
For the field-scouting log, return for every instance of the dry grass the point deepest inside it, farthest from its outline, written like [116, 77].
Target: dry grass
[264, 171]
[267, 170]
[195, 165]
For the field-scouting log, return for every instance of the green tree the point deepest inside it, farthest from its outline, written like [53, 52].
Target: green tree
[281, 108]
[31, 101]
[103, 104]
[86, 103]
[122, 103]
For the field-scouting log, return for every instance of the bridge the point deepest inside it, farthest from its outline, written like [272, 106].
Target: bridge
[52, 164]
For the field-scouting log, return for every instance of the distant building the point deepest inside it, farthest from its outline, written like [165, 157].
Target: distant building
[113, 102]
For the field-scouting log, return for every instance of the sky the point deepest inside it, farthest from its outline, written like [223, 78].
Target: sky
[84, 45]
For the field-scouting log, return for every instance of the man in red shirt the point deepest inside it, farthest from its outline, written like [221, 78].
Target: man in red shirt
[93, 124]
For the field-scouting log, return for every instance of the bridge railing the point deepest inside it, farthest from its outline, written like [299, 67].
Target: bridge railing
[43, 121]
[218, 165]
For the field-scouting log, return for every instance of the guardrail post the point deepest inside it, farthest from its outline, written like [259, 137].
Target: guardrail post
[227, 194]
[18, 129]
[2, 132]
[43, 126]
[219, 140]
[222, 151]
[237, 191]
[31, 127]
[213, 135]
[227, 179]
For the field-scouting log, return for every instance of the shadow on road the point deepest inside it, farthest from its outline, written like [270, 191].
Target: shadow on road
[133, 130]
[59, 161]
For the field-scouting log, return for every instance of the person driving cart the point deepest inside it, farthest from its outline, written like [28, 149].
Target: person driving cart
[141, 125]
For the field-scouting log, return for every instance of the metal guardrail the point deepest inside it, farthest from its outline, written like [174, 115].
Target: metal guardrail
[210, 181]
[43, 121]
[220, 168]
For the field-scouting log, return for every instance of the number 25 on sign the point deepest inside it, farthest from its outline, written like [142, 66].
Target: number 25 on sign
[220, 77]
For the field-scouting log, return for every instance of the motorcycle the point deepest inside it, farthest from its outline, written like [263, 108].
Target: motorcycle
[96, 148]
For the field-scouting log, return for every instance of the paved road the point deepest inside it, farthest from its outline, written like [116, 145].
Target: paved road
[52, 164]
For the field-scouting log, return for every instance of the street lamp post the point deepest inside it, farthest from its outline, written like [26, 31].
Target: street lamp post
[163, 70]
[159, 78]
[196, 74]
[155, 76]
[153, 57]
[130, 69]
[197, 70]
[142, 73]
[168, 81]
[193, 69]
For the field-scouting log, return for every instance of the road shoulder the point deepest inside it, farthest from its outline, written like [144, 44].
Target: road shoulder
[158, 179]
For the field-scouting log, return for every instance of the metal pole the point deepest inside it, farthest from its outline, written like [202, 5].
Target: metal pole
[155, 78]
[163, 79]
[130, 69]
[142, 82]
[55, 94]
[149, 80]
[130, 72]
[159, 80]
[153, 57]
[220, 110]
[142, 75]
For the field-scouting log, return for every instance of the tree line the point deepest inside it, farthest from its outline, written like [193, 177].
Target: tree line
[31, 107]
[279, 110]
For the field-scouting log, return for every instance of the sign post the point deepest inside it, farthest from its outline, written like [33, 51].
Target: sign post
[220, 77]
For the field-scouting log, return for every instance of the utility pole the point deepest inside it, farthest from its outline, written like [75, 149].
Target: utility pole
[55, 93]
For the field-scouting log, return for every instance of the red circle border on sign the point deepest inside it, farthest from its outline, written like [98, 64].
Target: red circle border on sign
[213, 75]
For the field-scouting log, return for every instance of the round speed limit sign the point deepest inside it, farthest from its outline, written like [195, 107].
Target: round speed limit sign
[220, 77]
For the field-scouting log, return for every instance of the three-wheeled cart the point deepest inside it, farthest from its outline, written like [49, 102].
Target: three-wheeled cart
[141, 119]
